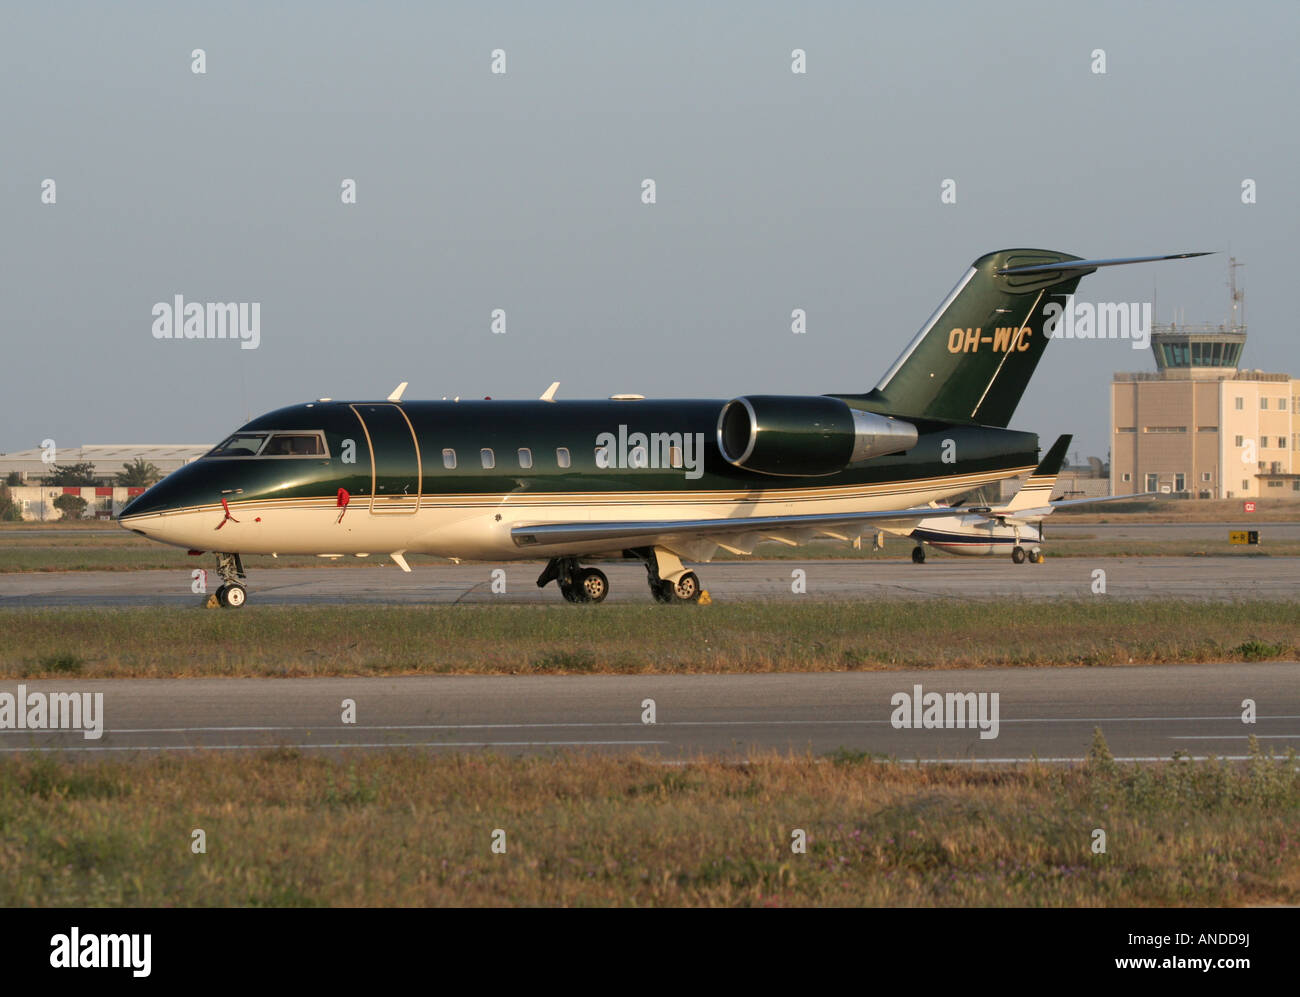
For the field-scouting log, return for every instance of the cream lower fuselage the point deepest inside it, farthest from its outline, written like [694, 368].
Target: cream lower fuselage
[478, 527]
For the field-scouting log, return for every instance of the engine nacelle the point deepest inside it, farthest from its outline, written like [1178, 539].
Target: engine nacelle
[805, 435]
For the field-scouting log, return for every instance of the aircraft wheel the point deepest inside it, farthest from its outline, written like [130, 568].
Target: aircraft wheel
[593, 585]
[1035, 557]
[687, 588]
[232, 596]
[1018, 554]
[918, 555]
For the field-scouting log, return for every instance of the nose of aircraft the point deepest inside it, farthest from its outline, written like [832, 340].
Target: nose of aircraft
[146, 513]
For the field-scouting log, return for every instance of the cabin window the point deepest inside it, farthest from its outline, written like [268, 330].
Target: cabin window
[525, 458]
[489, 458]
[449, 459]
[562, 457]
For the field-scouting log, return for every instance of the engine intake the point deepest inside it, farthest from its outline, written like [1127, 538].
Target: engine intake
[805, 435]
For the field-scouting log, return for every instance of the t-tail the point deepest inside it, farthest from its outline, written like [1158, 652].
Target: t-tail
[973, 359]
[1037, 490]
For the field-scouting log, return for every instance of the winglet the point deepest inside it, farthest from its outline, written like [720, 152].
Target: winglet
[549, 394]
[396, 396]
[1038, 487]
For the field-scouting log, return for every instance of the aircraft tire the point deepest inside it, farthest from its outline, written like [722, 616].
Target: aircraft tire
[232, 595]
[687, 588]
[593, 585]
[918, 555]
[1018, 554]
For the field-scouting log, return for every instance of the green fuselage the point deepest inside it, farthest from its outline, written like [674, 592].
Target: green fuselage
[383, 459]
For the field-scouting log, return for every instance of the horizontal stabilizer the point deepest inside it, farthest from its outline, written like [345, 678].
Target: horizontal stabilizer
[1081, 268]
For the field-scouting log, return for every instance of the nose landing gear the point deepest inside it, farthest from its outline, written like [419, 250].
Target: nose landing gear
[232, 593]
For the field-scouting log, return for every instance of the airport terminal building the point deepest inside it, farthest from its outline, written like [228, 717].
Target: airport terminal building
[1201, 427]
[23, 473]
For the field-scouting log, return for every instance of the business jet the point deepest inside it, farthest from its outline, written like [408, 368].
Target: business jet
[1015, 528]
[659, 481]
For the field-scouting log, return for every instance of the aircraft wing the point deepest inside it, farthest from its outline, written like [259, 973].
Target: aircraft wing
[737, 535]
[1021, 515]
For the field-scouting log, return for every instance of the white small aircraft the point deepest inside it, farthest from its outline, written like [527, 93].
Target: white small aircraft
[1016, 527]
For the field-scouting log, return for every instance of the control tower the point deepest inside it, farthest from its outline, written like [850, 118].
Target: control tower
[1203, 351]
[1199, 426]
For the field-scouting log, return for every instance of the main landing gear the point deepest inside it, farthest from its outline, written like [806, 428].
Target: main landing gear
[918, 554]
[577, 584]
[1019, 555]
[232, 594]
[669, 582]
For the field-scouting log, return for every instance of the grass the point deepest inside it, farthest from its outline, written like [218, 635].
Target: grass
[486, 639]
[285, 829]
[1267, 510]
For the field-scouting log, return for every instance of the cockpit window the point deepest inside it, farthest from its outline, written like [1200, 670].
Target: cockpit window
[287, 444]
[294, 445]
[239, 445]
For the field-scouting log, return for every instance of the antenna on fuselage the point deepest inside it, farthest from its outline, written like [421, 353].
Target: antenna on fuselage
[549, 394]
[396, 396]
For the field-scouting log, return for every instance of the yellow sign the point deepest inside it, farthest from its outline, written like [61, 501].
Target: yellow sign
[1004, 340]
[1243, 537]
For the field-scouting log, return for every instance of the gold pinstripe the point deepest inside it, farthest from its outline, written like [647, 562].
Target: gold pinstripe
[469, 500]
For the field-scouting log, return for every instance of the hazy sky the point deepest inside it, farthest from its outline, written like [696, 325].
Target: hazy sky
[522, 191]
